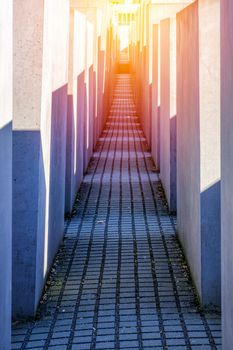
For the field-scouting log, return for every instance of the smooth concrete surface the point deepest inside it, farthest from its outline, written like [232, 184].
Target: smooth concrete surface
[72, 180]
[198, 130]
[155, 127]
[161, 10]
[168, 110]
[75, 113]
[226, 171]
[100, 88]
[26, 158]
[39, 144]
[5, 172]
[145, 79]
[89, 115]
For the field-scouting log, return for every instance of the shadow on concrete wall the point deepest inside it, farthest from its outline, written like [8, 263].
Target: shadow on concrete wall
[81, 97]
[150, 113]
[70, 144]
[101, 88]
[90, 132]
[90, 143]
[173, 178]
[6, 234]
[211, 244]
[37, 231]
[57, 171]
[28, 187]
[35, 237]
[155, 137]
[88, 127]
[82, 137]
[75, 139]
[85, 130]
[159, 137]
[95, 122]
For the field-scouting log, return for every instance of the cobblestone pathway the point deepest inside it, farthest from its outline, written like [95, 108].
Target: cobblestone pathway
[120, 280]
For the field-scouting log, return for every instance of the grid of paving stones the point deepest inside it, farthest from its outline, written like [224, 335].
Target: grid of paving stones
[120, 280]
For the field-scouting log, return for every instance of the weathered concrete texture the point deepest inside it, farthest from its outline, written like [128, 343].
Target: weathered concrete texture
[39, 144]
[226, 170]
[5, 172]
[198, 131]
[168, 110]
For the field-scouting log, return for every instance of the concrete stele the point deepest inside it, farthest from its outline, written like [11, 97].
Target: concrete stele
[5, 172]
[39, 144]
[226, 171]
[198, 129]
[168, 109]
[155, 142]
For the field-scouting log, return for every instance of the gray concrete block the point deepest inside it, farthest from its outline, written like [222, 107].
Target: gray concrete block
[5, 172]
[226, 171]
[39, 145]
[168, 110]
[155, 127]
[198, 144]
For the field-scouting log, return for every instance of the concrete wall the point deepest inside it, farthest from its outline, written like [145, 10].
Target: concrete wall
[39, 144]
[226, 171]
[146, 83]
[188, 146]
[73, 181]
[198, 131]
[76, 106]
[90, 37]
[155, 96]
[5, 171]
[168, 110]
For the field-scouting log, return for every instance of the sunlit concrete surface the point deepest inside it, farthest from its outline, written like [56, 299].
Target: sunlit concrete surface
[119, 281]
[198, 144]
[5, 172]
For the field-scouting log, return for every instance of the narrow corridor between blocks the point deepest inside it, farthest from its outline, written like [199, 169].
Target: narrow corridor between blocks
[120, 280]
